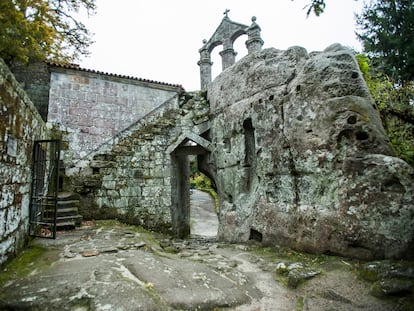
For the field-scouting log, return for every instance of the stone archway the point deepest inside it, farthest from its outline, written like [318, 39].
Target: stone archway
[186, 145]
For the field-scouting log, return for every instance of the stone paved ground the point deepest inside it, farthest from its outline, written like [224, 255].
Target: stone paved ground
[203, 216]
[110, 266]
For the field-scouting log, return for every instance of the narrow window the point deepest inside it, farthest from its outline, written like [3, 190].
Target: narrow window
[250, 153]
[249, 142]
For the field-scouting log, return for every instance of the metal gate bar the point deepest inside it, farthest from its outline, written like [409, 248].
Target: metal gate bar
[45, 182]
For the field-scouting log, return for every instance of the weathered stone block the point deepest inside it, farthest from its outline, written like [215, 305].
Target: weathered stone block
[109, 184]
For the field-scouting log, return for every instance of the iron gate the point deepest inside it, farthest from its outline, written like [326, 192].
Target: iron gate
[45, 183]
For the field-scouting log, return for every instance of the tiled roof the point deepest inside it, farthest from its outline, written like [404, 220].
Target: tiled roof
[77, 67]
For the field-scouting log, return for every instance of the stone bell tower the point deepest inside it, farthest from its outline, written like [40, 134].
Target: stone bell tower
[226, 34]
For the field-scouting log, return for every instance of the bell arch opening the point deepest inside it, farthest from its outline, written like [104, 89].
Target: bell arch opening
[216, 63]
[239, 45]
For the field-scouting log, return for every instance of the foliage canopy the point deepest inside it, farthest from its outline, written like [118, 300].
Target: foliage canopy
[316, 6]
[387, 34]
[33, 30]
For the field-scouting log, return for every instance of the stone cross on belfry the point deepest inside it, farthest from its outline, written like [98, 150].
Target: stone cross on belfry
[226, 12]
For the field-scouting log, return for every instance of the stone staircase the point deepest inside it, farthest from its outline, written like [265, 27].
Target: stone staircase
[67, 215]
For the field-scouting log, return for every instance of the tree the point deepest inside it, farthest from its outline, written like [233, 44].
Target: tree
[32, 30]
[387, 35]
[316, 6]
[394, 106]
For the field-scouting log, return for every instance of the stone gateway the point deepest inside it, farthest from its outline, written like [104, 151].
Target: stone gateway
[291, 139]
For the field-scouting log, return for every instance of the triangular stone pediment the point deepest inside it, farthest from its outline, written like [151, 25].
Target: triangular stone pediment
[190, 136]
[227, 30]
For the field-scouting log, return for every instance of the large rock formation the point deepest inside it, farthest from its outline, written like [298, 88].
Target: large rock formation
[302, 159]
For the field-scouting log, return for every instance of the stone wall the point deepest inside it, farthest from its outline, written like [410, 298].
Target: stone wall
[20, 125]
[91, 108]
[303, 160]
[135, 180]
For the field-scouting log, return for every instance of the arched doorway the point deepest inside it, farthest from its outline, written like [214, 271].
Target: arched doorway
[186, 146]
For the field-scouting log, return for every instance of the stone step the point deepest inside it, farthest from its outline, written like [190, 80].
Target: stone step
[74, 218]
[67, 211]
[62, 204]
[71, 210]
[68, 225]
[68, 196]
[63, 220]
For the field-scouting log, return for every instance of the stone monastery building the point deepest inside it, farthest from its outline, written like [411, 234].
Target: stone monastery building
[291, 140]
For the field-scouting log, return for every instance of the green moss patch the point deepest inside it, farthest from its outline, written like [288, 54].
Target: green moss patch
[151, 238]
[293, 268]
[34, 257]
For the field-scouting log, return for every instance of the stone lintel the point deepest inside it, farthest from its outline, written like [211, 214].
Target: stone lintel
[190, 136]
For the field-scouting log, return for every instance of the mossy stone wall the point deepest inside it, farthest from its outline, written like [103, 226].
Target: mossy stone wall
[20, 126]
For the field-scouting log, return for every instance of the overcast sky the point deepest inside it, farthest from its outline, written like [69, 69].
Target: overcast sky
[159, 39]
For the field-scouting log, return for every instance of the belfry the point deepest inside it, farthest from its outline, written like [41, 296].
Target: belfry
[226, 34]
